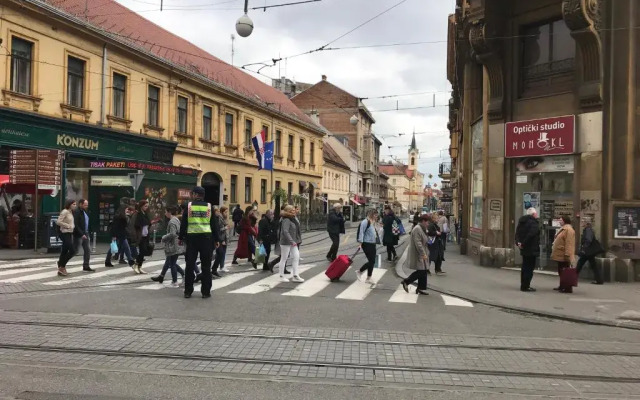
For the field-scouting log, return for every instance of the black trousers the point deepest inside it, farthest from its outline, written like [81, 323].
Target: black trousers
[221, 253]
[267, 247]
[202, 245]
[369, 250]
[391, 252]
[68, 250]
[438, 263]
[420, 276]
[597, 274]
[335, 245]
[526, 272]
[143, 248]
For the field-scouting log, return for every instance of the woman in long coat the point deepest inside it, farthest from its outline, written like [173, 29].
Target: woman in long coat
[436, 249]
[563, 250]
[418, 256]
[248, 233]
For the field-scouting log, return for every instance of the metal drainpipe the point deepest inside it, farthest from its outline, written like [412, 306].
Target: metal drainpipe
[103, 100]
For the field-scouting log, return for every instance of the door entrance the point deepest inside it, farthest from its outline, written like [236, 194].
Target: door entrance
[212, 184]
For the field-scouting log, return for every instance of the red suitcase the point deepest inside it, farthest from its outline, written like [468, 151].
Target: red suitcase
[339, 266]
[568, 277]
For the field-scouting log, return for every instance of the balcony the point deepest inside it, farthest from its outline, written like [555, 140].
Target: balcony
[445, 170]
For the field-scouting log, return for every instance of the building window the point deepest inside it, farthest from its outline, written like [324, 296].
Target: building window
[265, 129]
[263, 191]
[277, 185]
[153, 103]
[234, 188]
[21, 56]
[119, 95]
[278, 144]
[75, 82]
[248, 132]
[247, 190]
[207, 114]
[182, 114]
[301, 150]
[228, 126]
[312, 158]
[365, 165]
[413, 161]
[290, 148]
[548, 58]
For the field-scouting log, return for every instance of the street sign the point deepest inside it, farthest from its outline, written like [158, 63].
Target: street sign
[136, 180]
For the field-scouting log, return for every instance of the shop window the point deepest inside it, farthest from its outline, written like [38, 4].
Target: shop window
[477, 142]
[153, 104]
[278, 144]
[247, 190]
[119, 95]
[233, 187]
[248, 132]
[182, 114]
[21, 65]
[207, 113]
[301, 150]
[265, 129]
[548, 58]
[75, 81]
[263, 191]
[290, 148]
[228, 125]
[312, 149]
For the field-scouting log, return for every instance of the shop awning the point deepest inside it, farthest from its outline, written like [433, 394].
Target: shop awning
[313, 185]
[356, 202]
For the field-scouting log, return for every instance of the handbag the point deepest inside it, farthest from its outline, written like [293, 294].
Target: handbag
[401, 227]
[149, 250]
[594, 249]
[114, 247]
[431, 240]
[568, 277]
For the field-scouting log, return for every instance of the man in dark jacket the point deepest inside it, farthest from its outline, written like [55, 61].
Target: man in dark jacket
[267, 235]
[528, 241]
[335, 226]
[236, 217]
[589, 249]
[81, 233]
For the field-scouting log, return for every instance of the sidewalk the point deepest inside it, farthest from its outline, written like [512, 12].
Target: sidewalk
[614, 304]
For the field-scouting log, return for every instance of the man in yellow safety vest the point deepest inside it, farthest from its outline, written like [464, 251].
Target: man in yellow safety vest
[196, 230]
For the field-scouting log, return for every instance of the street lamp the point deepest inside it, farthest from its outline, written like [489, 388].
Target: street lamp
[354, 120]
[244, 25]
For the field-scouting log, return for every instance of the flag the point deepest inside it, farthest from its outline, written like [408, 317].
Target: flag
[258, 146]
[268, 156]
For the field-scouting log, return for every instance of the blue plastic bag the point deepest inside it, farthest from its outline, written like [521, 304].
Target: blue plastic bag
[262, 250]
[114, 247]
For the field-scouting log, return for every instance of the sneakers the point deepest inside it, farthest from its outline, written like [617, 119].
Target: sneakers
[369, 281]
[225, 269]
[297, 279]
[174, 285]
[440, 273]
[88, 269]
[283, 279]
[62, 272]
[359, 275]
[158, 278]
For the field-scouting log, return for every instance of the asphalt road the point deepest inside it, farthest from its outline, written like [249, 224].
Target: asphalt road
[490, 353]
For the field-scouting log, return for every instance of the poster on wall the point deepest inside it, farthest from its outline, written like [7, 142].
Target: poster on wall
[531, 165]
[590, 210]
[531, 199]
[625, 222]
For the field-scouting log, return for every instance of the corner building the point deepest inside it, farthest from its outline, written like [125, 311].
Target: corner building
[543, 114]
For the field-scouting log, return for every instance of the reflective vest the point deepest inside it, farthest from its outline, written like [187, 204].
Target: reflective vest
[198, 219]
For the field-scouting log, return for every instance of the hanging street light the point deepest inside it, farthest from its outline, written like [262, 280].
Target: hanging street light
[244, 25]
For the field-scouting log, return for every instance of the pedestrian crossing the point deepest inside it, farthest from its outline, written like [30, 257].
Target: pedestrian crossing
[243, 280]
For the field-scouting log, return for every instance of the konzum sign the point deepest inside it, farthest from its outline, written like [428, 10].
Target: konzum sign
[540, 137]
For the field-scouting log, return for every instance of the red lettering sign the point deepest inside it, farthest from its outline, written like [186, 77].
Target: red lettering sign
[540, 137]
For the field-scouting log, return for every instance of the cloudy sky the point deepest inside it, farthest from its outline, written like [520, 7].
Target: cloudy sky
[417, 72]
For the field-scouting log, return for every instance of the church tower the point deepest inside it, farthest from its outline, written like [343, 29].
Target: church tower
[414, 154]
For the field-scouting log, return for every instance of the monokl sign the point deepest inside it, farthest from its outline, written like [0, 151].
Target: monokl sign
[540, 137]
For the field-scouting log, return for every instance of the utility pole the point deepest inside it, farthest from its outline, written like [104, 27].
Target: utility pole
[233, 49]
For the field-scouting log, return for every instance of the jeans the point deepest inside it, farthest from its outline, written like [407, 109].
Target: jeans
[221, 254]
[172, 262]
[86, 248]
[285, 251]
[421, 276]
[597, 274]
[526, 272]
[68, 250]
[198, 245]
[391, 252]
[369, 250]
[123, 250]
[335, 244]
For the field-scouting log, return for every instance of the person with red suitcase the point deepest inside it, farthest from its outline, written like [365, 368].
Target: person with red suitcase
[563, 252]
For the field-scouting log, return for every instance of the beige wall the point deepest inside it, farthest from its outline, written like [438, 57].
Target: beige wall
[335, 182]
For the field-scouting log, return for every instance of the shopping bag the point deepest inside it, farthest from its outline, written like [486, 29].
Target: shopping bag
[114, 247]
[568, 277]
[378, 263]
[258, 256]
[263, 251]
[401, 228]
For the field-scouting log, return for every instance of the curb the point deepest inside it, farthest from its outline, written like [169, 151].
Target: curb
[399, 271]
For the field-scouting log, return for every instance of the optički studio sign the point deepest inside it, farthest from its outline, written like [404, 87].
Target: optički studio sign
[540, 137]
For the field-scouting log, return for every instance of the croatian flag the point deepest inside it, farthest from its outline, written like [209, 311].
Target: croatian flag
[264, 151]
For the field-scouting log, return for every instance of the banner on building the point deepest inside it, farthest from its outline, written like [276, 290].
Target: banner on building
[540, 137]
[531, 165]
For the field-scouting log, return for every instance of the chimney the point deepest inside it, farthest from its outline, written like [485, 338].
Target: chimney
[315, 116]
[324, 77]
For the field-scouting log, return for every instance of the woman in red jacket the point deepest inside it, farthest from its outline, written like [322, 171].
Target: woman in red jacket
[247, 240]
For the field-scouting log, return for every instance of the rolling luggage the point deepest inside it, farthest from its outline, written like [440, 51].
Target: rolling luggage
[339, 266]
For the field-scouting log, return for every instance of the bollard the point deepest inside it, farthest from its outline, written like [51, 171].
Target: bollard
[95, 238]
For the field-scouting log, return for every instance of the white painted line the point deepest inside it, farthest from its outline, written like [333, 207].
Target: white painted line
[134, 278]
[266, 284]
[400, 296]
[43, 275]
[153, 286]
[101, 274]
[230, 279]
[31, 261]
[454, 301]
[596, 300]
[23, 270]
[310, 287]
[360, 290]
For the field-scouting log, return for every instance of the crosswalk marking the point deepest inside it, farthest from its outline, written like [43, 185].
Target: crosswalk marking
[135, 278]
[30, 261]
[454, 301]
[97, 275]
[153, 286]
[266, 284]
[310, 287]
[360, 290]
[22, 270]
[49, 274]
[400, 296]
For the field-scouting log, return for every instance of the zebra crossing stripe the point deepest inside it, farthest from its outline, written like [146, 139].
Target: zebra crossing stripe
[454, 301]
[400, 296]
[310, 287]
[44, 275]
[101, 274]
[266, 284]
[360, 290]
[31, 261]
[135, 278]
[22, 270]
